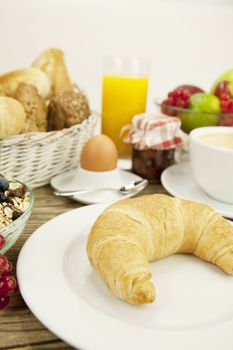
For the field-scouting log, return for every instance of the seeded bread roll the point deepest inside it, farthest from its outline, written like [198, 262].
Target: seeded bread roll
[52, 63]
[34, 106]
[67, 109]
[34, 76]
[12, 117]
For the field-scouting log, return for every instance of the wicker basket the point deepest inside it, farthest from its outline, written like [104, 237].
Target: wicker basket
[34, 158]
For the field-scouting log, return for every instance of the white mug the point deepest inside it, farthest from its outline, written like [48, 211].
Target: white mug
[212, 164]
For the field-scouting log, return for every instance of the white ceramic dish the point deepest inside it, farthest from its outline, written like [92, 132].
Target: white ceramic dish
[194, 307]
[212, 165]
[79, 178]
[179, 181]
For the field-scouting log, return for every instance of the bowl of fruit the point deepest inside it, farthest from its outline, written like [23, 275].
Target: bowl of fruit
[16, 203]
[197, 108]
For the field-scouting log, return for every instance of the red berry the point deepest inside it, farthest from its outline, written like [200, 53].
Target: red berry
[222, 88]
[224, 96]
[179, 97]
[227, 106]
[230, 106]
[3, 262]
[2, 241]
[5, 274]
[11, 283]
[4, 301]
[192, 89]
[8, 267]
[4, 288]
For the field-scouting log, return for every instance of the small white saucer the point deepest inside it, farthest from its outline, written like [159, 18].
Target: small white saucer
[79, 178]
[179, 181]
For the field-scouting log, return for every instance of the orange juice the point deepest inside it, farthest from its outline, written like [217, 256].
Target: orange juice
[123, 97]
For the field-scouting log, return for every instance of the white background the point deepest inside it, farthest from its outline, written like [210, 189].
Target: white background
[187, 41]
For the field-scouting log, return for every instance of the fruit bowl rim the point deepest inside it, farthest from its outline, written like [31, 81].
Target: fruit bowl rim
[158, 103]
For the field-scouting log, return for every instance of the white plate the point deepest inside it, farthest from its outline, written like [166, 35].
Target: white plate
[179, 181]
[194, 307]
[68, 181]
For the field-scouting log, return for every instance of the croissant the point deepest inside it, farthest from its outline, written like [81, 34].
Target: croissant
[131, 233]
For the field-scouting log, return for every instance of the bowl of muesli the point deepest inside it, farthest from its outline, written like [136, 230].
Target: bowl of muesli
[16, 203]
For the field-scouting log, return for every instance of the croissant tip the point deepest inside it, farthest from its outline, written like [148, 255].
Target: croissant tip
[144, 294]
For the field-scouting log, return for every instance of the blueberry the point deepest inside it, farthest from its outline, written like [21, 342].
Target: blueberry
[2, 197]
[4, 184]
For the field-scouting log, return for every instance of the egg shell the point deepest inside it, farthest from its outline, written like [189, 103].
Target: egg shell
[99, 154]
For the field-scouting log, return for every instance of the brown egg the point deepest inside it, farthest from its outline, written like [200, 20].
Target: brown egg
[99, 154]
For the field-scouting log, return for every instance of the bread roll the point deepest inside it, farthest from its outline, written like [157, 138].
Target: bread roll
[34, 106]
[67, 109]
[34, 76]
[52, 63]
[132, 232]
[12, 117]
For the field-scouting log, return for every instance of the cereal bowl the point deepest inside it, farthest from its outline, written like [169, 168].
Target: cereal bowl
[15, 227]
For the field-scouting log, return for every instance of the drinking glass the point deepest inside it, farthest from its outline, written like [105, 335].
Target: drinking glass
[125, 85]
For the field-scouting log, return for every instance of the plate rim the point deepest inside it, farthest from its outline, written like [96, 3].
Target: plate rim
[174, 193]
[89, 202]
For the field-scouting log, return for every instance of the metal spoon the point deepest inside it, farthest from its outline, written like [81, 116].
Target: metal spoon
[126, 189]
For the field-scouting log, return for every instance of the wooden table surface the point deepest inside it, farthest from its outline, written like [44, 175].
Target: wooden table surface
[19, 328]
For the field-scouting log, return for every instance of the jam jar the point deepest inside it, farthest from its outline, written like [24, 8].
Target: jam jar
[150, 163]
[154, 139]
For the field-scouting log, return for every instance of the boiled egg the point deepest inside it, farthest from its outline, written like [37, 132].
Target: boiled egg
[99, 154]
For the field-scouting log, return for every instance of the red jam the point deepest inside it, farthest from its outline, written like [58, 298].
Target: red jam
[150, 163]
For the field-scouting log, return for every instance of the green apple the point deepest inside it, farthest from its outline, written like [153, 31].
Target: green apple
[227, 76]
[203, 111]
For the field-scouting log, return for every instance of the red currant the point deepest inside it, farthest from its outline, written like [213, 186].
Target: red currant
[227, 105]
[8, 283]
[8, 267]
[11, 282]
[179, 98]
[222, 88]
[3, 262]
[4, 287]
[4, 301]
[2, 241]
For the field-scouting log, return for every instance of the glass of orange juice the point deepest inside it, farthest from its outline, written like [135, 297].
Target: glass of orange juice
[125, 84]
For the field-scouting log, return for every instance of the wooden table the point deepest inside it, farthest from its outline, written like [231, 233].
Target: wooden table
[19, 329]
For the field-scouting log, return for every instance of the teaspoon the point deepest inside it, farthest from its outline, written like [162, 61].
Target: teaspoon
[126, 189]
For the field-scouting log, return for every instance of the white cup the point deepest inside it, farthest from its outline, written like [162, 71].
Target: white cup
[212, 165]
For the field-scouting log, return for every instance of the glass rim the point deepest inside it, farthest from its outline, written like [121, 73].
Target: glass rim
[131, 66]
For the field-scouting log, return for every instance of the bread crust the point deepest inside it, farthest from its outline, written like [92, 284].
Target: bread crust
[10, 81]
[52, 63]
[34, 106]
[67, 109]
[12, 117]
